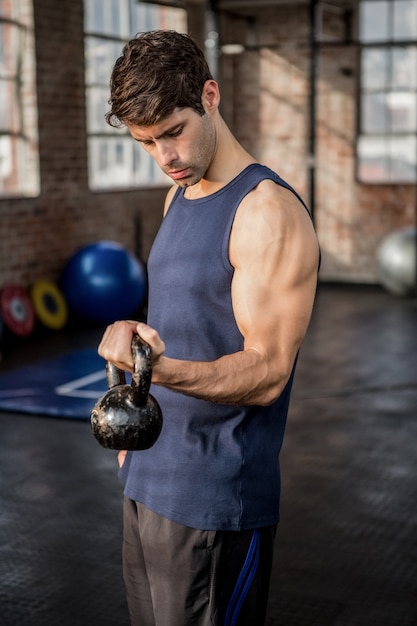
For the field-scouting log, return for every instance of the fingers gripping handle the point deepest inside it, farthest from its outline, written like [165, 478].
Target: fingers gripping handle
[142, 369]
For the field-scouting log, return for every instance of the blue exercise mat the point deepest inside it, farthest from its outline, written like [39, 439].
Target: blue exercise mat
[67, 386]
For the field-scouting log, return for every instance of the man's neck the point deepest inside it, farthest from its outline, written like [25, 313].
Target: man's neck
[230, 159]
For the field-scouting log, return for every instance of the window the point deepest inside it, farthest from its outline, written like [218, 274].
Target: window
[387, 141]
[115, 160]
[19, 163]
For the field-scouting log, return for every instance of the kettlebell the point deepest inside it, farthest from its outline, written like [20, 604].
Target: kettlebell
[127, 417]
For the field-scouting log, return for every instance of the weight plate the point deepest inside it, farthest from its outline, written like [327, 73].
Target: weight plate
[17, 310]
[50, 305]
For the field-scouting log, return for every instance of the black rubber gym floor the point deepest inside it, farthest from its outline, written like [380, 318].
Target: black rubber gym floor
[346, 552]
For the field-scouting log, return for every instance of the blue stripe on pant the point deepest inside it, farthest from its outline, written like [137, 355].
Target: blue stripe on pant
[244, 581]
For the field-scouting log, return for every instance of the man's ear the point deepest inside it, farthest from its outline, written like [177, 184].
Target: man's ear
[210, 96]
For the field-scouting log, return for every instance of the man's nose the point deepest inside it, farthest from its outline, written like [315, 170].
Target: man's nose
[166, 153]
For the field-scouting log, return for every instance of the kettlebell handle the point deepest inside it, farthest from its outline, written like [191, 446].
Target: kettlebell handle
[142, 369]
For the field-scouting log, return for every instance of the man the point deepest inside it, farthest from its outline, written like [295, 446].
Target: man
[232, 279]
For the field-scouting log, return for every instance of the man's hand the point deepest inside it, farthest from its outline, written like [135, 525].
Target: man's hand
[115, 345]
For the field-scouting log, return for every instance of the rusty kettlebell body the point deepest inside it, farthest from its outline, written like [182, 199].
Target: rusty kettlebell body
[127, 417]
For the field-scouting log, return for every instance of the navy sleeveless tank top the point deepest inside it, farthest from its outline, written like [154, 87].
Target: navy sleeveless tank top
[214, 466]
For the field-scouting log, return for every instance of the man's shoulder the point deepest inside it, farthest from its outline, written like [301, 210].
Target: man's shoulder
[270, 195]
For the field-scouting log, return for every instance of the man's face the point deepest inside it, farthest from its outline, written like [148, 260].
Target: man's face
[182, 144]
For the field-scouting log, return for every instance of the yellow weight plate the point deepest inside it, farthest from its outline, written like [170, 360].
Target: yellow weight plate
[49, 304]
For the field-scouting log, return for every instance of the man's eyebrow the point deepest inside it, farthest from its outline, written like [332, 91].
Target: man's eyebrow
[168, 131]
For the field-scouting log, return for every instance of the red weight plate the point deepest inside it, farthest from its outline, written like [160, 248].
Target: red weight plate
[17, 310]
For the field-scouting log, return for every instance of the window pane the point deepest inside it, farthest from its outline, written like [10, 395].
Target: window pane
[117, 20]
[110, 17]
[385, 160]
[117, 162]
[6, 8]
[100, 55]
[104, 172]
[404, 68]
[403, 159]
[9, 40]
[146, 169]
[374, 21]
[405, 19]
[6, 160]
[374, 113]
[401, 112]
[97, 107]
[375, 68]
[9, 107]
[94, 16]
[146, 15]
[373, 159]
[18, 166]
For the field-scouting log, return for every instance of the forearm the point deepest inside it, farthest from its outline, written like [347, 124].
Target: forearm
[240, 378]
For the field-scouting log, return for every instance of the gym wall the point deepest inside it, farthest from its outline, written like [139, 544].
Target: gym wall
[265, 99]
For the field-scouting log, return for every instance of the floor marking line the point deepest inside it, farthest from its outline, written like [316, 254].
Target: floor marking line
[73, 387]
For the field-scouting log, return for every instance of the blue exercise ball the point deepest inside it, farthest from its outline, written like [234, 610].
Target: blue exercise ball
[104, 282]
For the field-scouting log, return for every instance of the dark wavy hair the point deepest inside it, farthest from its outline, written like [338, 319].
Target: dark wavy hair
[157, 72]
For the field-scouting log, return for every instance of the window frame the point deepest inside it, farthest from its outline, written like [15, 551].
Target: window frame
[18, 111]
[389, 139]
[136, 170]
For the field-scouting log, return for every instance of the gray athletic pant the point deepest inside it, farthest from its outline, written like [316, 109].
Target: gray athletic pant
[179, 576]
